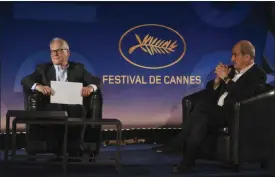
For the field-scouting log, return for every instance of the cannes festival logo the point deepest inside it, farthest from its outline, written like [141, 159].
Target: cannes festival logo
[159, 47]
[153, 45]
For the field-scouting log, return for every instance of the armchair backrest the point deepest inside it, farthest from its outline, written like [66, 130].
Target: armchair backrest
[25, 95]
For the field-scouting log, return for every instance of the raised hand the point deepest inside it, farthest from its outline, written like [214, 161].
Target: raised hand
[222, 71]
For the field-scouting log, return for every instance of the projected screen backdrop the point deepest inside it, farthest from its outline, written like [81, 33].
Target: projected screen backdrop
[148, 55]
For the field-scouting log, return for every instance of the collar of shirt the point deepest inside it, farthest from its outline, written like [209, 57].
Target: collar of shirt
[58, 67]
[245, 69]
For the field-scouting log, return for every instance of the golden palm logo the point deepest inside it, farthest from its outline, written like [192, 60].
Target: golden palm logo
[153, 45]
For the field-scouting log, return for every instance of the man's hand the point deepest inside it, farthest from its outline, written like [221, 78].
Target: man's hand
[86, 91]
[222, 71]
[216, 82]
[45, 90]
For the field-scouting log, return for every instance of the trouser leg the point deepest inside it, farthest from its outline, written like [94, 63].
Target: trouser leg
[205, 117]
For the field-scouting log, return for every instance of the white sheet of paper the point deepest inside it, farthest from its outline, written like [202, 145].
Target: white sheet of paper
[66, 92]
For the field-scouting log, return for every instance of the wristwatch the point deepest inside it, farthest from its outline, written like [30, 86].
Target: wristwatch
[226, 79]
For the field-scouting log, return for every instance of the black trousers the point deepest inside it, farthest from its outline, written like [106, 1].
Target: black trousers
[53, 135]
[205, 117]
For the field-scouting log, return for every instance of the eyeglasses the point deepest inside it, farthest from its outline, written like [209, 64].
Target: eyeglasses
[57, 51]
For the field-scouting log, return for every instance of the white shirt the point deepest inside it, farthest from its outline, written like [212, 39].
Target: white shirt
[235, 78]
[61, 71]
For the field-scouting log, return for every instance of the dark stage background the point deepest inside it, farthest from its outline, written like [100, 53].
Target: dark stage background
[205, 33]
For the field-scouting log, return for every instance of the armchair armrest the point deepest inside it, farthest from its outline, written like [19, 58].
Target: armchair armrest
[195, 96]
[259, 97]
[92, 134]
[93, 105]
[32, 100]
[252, 127]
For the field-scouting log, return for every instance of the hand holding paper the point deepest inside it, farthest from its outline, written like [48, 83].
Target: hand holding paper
[66, 92]
[86, 91]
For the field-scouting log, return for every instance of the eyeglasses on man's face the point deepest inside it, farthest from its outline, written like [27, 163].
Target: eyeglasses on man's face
[58, 51]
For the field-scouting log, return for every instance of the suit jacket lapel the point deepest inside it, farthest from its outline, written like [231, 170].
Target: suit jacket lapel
[70, 72]
[246, 74]
[231, 76]
[51, 74]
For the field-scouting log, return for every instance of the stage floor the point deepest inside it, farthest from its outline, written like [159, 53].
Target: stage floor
[137, 160]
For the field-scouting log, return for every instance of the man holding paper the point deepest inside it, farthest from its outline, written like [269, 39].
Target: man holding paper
[49, 78]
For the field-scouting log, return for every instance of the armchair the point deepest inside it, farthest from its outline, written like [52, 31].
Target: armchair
[248, 137]
[92, 135]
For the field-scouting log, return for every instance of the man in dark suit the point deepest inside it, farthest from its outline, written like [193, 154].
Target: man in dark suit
[60, 69]
[232, 84]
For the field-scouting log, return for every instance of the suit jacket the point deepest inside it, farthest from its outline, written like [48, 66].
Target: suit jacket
[45, 73]
[247, 86]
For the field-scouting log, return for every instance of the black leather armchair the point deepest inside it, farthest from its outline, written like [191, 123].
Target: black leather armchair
[247, 138]
[92, 136]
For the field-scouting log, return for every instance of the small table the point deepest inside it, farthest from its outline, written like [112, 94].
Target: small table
[34, 117]
[115, 122]
[57, 117]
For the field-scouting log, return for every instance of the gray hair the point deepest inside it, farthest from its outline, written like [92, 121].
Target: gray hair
[64, 44]
[247, 48]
